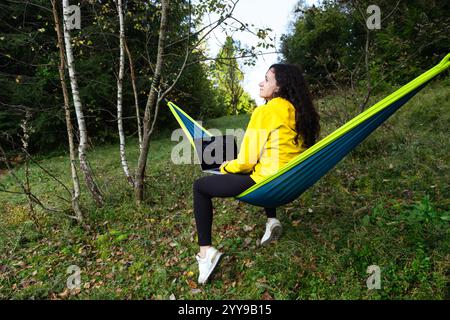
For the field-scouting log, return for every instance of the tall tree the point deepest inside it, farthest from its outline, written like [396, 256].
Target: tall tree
[229, 75]
[160, 88]
[123, 158]
[135, 94]
[152, 103]
[336, 49]
[72, 151]
[88, 175]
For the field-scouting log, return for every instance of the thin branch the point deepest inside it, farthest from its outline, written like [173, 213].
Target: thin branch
[189, 52]
[217, 24]
[46, 171]
[158, 101]
[391, 11]
[193, 34]
[232, 58]
[25, 191]
[182, 67]
[30, 3]
[12, 192]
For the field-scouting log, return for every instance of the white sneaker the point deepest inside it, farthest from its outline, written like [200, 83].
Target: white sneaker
[273, 231]
[207, 264]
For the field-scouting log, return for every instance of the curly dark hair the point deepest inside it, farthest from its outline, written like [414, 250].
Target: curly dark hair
[293, 87]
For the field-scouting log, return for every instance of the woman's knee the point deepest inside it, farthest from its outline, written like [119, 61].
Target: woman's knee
[199, 185]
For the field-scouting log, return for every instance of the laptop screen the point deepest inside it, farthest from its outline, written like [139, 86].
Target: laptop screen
[213, 151]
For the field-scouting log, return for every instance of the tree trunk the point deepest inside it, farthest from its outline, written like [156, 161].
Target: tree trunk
[72, 152]
[362, 106]
[88, 175]
[123, 157]
[151, 103]
[136, 99]
[27, 188]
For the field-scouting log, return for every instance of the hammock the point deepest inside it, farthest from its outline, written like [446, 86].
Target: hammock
[303, 171]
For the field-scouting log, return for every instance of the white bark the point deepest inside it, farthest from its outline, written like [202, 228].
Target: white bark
[72, 152]
[79, 111]
[123, 158]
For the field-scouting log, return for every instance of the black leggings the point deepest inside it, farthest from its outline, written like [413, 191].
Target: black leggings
[223, 186]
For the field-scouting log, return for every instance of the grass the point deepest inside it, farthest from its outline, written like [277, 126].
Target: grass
[385, 204]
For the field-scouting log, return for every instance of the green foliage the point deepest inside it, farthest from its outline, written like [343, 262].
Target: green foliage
[322, 40]
[329, 42]
[228, 77]
[385, 204]
[246, 104]
[30, 78]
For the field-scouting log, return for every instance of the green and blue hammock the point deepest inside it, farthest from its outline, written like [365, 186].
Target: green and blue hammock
[302, 172]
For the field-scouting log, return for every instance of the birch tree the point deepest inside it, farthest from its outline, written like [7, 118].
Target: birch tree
[123, 158]
[82, 146]
[72, 152]
[159, 89]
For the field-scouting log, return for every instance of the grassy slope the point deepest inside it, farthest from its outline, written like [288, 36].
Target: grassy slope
[386, 204]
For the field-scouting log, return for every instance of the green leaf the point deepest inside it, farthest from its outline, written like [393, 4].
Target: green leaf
[120, 238]
[366, 220]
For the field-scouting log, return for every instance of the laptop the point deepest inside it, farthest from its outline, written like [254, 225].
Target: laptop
[215, 150]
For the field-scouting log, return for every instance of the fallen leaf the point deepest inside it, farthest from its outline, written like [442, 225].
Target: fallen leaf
[64, 294]
[74, 292]
[191, 284]
[266, 296]
[248, 263]
[247, 241]
[295, 223]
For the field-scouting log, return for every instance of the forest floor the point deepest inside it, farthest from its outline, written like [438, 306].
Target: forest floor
[386, 204]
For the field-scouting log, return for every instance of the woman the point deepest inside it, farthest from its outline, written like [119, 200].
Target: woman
[277, 132]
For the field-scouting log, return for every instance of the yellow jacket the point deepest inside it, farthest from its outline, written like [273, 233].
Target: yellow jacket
[268, 142]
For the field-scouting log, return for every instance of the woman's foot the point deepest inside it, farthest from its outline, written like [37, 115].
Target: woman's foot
[208, 264]
[273, 231]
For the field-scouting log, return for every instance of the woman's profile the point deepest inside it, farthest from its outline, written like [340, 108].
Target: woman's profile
[277, 132]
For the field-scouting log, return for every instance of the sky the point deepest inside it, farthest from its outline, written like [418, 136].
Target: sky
[273, 14]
